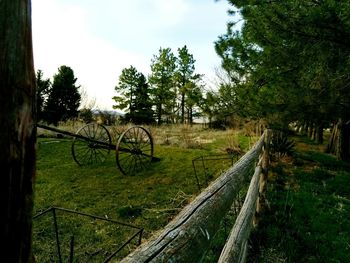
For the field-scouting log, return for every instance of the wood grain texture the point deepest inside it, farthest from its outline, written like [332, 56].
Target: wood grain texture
[18, 132]
[234, 250]
[187, 237]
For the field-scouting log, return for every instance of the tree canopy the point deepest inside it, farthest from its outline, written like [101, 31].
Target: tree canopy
[290, 60]
[185, 78]
[63, 99]
[171, 94]
[163, 68]
[42, 89]
[134, 97]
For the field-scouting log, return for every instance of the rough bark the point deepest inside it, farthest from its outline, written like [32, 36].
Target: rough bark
[18, 132]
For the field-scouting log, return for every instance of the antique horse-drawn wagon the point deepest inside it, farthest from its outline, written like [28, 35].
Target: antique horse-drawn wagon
[92, 143]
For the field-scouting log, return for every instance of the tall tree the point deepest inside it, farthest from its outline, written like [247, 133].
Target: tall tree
[18, 131]
[192, 99]
[184, 77]
[42, 90]
[64, 98]
[134, 96]
[208, 105]
[143, 113]
[128, 82]
[162, 80]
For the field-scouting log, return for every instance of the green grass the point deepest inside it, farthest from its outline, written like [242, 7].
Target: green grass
[309, 217]
[149, 199]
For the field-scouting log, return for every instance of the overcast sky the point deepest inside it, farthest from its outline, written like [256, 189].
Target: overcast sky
[98, 38]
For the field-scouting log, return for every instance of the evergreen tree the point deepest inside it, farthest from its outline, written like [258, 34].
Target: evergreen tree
[290, 62]
[208, 105]
[64, 98]
[42, 90]
[162, 80]
[128, 82]
[143, 113]
[193, 98]
[184, 77]
[134, 96]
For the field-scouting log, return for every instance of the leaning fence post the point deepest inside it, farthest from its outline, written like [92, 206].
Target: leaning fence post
[261, 204]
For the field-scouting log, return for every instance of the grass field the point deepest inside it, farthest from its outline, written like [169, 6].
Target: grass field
[149, 199]
[309, 199]
[309, 216]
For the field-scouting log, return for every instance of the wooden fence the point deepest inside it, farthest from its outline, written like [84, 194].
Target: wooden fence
[188, 236]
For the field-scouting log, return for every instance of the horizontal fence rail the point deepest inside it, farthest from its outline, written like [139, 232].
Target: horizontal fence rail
[188, 236]
[236, 246]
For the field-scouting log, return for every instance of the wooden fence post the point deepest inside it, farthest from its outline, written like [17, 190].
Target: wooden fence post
[18, 131]
[265, 161]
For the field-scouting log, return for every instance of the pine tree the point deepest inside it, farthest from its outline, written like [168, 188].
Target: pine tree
[162, 80]
[64, 98]
[134, 97]
[184, 77]
[290, 63]
[42, 89]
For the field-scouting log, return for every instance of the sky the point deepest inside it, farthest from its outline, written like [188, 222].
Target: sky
[98, 38]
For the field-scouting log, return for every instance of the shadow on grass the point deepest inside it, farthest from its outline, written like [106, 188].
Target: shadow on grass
[309, 216]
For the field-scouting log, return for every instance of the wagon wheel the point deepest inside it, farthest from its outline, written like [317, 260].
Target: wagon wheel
[85, 147]
[134, 150]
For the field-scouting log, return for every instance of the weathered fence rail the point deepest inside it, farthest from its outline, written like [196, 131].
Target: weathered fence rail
[188, 236]
[236, 246]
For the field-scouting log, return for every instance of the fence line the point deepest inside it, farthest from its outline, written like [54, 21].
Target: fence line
[188, 236]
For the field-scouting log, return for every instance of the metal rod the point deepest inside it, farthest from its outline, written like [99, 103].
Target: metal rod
[205, 173]
[57, 235]
[95, 217]
[139, 231]
[43, 213]
[121, 247]
[100, 143]
[71, 255]
[140, 238]
[195, 173]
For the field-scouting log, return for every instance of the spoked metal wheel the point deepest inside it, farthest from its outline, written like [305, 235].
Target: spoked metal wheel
[91, 144]
[134, 150]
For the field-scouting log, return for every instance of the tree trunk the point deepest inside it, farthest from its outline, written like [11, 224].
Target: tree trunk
[18, 131]
[159, 114]
[190, 117]
[311, 129]
[343, 140]
[332, 139]
[305, 128]
[319, 133]
[183, 108]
